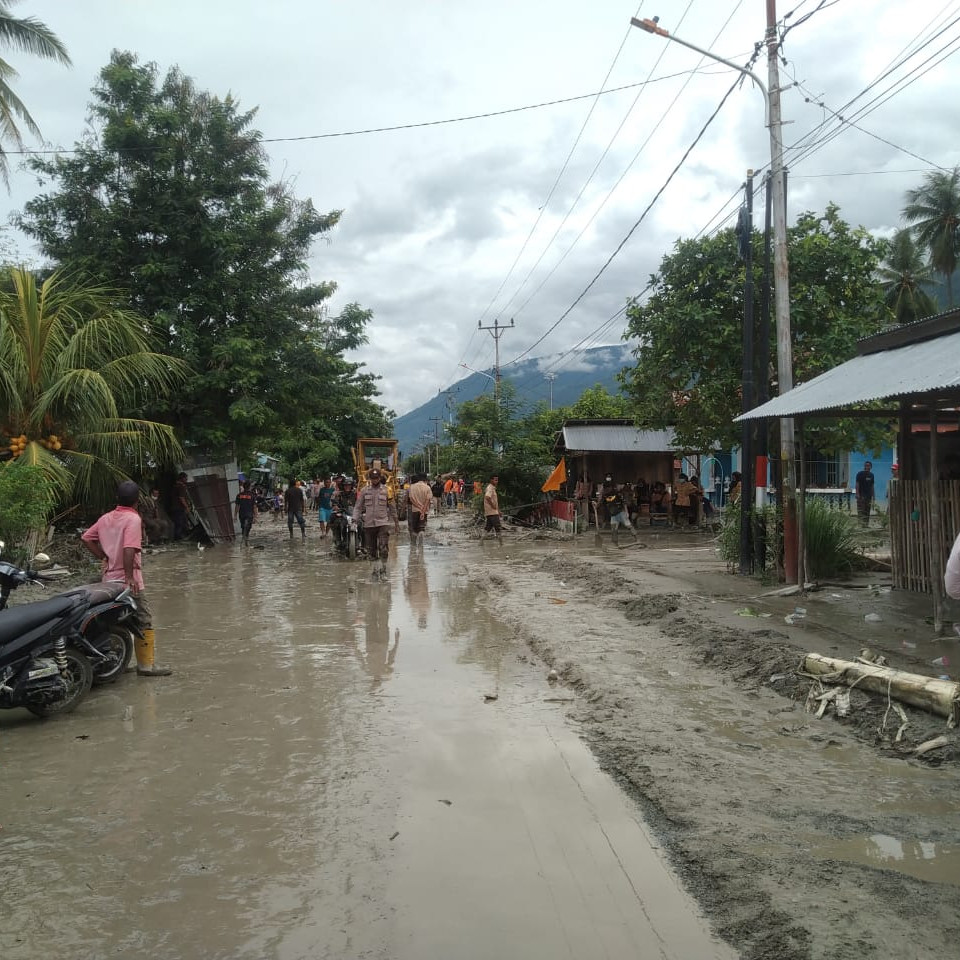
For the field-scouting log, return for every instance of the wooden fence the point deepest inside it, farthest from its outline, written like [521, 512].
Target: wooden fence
[911, 538]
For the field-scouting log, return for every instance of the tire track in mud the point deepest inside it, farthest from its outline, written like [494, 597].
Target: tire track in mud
[737, 781]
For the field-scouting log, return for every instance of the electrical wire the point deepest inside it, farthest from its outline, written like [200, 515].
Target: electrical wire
[563, 169]
[633, 229]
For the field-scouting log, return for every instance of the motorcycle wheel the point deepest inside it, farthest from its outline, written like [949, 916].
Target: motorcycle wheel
[352, 544]
[78, 678]
[117, 645]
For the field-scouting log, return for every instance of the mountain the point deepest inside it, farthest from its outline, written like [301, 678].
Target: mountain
[598, 365]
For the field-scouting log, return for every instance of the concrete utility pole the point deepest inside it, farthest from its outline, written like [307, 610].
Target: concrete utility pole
[496, 331]
[550, 377]
[771, 99]
[781, 288]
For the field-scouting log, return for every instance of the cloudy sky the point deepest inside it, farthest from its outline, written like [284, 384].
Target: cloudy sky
[449, 225]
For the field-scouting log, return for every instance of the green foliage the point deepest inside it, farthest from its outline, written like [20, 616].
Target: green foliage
[831, 541]
[831, 537]
[903, 274]
[168, 198]
[487, 438]
[28, 35]
[688, 370]
[933, 209]
[76, 367]
[25, 505]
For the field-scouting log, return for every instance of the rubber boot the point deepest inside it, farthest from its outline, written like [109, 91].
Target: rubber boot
[616, 536]
[145, 665]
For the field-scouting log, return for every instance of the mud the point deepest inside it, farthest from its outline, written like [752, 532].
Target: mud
[802, 838]
[337, 768]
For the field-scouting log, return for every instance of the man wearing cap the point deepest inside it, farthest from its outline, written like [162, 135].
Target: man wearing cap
[116, 539]
[376, 510]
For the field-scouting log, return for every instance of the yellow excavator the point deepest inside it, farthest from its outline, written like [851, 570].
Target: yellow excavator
[383, 454]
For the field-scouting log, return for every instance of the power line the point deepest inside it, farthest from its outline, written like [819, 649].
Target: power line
[563, 169]
[633, 229]
[384, 129]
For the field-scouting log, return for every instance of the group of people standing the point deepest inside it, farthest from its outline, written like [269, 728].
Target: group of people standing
[621, 504]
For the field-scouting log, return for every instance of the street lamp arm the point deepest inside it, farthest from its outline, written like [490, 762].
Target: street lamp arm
[651, 26]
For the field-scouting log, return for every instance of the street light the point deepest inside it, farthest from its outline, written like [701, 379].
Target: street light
[771, 102]
[482, 374]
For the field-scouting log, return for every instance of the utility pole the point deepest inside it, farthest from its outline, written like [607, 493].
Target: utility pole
[496, 331]
[771, 94]
[436, 437]
[745, 237]
[550, 377]
[781, 289]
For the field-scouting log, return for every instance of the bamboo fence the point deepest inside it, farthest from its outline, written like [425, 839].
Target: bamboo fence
[911, 534]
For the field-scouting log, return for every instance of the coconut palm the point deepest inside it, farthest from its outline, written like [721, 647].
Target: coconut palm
[934, 211]
[902, 274]
[73, 367]
[28, 35]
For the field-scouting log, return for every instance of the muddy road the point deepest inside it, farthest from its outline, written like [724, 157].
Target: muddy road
[338, 768]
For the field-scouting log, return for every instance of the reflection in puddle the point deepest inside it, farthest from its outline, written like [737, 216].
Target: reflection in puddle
[933, 862]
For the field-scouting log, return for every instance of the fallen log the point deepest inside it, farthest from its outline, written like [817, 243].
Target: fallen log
[941, 697]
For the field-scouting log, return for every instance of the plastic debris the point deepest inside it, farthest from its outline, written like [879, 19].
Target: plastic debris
[943, 661]
[751, 612]
[791, 618]
[873, 618]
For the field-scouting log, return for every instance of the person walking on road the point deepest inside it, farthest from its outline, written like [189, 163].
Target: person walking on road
[116, 539]
[617, 510]
[293, 501]
[491, 510]
[419, 499]
[325, 494]
[245, 509]
[864, 490]
[377, 512]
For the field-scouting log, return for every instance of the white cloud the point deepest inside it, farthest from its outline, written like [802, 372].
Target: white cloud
[434, 217]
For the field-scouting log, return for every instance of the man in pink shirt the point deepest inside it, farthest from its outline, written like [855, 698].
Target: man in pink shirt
[116, 540]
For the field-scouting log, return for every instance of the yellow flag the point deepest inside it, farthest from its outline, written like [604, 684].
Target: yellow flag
[558, 477]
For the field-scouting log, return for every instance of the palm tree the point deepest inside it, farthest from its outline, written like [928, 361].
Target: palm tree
[934, 211]
[73, 366]
[28, 35]
[902, 274]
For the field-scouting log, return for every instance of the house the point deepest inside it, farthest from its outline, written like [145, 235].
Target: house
[910, 375]
[596, 448]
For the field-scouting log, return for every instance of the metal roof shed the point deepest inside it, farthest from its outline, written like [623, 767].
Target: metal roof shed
[619, 448]
[916, 365]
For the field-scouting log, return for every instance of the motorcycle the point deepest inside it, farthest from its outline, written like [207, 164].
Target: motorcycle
[103, 635]
[40, 667]
[347, 534]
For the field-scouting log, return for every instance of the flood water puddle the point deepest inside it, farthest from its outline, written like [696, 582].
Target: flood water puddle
[338, 768]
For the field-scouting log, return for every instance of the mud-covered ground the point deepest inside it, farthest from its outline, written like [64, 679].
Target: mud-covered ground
[801, 837]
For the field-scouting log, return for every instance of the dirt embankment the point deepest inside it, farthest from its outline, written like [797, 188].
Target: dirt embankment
[802, 837]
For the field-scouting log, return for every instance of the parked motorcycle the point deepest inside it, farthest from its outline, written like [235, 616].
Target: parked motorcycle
[106, 633]
[40, 667]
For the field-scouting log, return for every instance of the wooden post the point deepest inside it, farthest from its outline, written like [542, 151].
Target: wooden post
[936, 531]
[802, 509]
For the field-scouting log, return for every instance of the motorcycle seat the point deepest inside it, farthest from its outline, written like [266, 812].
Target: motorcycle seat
[100, 592]
[15, 621]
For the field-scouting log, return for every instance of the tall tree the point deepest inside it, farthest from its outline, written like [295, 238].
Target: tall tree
[169, 198]
[934, 211]
[27, 35]
[688, 370]
[74, 370]
[903, 273]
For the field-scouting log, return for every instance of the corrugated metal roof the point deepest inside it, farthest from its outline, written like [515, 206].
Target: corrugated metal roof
[915, 368]
[616, 438]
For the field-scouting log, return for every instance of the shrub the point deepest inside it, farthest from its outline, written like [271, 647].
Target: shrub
[832, 539]
[25, 505]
